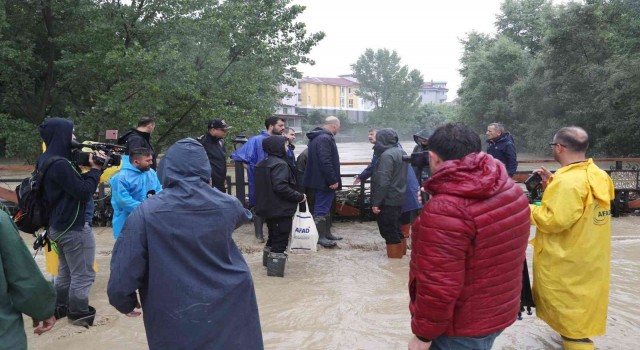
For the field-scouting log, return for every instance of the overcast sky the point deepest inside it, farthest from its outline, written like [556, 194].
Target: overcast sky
[425, 33]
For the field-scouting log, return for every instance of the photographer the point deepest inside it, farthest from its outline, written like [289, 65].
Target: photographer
[420, 155]
[66, 193]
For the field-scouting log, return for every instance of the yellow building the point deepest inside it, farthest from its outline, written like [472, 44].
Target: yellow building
[332, 95]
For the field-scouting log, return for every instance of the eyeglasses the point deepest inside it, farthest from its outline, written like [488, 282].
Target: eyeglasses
[557, 144]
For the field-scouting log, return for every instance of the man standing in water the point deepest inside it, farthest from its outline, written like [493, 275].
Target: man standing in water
[322, 174]
[469, 245]
[572, 248]
[195, 287]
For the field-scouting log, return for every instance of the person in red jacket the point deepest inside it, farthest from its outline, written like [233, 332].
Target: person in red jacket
[469, 245]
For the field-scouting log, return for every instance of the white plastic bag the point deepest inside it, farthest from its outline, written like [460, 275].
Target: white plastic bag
[304, 235]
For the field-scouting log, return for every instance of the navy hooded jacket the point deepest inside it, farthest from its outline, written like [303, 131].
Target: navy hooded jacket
[65, 190]
[323, 162]
[503, 149]
[177, 250]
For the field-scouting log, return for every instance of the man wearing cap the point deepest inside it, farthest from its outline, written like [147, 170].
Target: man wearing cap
[213, 143]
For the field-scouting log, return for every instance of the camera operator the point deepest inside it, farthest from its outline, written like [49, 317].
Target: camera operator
[66, 192]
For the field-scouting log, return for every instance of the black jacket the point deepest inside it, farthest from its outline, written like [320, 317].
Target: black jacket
[323, 163]
[217, 159]
[389, 179]
[65, 190]
[133, 139]
[503, 149]
[276, 194]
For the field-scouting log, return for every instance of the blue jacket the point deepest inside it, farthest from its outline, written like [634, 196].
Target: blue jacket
[129, 188]
[176, 250]
[323, 162]
[65, 190]
[503, 149]
[251, 153]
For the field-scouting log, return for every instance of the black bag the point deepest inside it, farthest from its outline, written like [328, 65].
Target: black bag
[33, 213]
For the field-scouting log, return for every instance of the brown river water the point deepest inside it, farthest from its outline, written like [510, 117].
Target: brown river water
[352, 297]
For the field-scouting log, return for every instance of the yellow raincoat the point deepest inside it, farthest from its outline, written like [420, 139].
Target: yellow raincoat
[572, 250]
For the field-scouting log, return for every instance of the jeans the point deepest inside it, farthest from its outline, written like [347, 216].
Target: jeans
[279, 231]
[76, 252]
[323, 203]
[389, 224]
[444, 342]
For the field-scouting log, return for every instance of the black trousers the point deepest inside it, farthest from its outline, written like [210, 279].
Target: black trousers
[389, 224]
[279, 230]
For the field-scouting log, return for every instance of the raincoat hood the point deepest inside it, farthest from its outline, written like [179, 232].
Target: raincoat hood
[56, 134]
[185, 162]
[318, 131]
[425, 134]
[477, 175]
[505, 136]
[385, 139]
[599, 181]
[274, 145]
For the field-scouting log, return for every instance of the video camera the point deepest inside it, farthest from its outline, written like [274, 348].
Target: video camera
[417, 159]
[113, 154]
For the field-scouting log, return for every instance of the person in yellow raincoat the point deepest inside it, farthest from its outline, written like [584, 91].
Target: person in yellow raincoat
[572, 247]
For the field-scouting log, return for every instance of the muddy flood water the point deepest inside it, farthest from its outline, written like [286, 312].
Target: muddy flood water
[351, 297]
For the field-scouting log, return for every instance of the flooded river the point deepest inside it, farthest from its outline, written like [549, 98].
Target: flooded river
[352, 297]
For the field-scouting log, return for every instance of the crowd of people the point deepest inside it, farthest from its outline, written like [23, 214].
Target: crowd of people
[174, 256]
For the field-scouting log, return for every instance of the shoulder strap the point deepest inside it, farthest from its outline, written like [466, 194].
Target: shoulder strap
[48, 163]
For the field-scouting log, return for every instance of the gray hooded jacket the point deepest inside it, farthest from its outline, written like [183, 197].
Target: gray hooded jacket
[389, 180]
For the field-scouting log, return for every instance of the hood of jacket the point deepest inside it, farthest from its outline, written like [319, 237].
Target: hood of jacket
[599, 181]
[127, 166]
[477, 176]
[385, 139]
[122, 139]
[184, 163]
[274, 145]
[425, 134]
[504, 137]
[56, 134]
[317, 132]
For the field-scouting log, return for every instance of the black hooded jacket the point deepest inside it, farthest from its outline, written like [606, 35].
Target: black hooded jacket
[323, 163]
[65, 190]
[275, 180]
[133, 139]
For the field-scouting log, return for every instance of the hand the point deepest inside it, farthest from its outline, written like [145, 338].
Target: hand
[334, 186]
[417, 344]
[375, 210]
[92, 163]
[135, 313]
[304, 198]
[419, 194]
[45, 325]
[545, 175]
[356, 180]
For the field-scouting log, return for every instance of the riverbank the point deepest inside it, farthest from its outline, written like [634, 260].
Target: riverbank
[351, 297]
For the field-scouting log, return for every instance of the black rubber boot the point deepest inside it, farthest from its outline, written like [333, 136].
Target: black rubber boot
[329, 234]
[83, 319]
[258, 222]
[60, 311]
[275, 264]
[323, 227]
[265, 253]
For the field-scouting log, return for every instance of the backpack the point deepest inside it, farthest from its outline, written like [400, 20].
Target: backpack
[33, 213]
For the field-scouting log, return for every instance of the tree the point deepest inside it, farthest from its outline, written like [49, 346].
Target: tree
[524, 22]
[106, 64]
[393, 88]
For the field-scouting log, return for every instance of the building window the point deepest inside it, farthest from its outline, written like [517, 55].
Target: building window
[350, 103]
[350, 92]
[342, 90]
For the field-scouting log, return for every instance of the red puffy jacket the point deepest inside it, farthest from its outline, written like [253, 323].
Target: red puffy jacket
[468, 249]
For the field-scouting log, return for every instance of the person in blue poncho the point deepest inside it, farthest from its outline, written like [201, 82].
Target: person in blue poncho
[134, 183]
[176, 251]
[251, 153]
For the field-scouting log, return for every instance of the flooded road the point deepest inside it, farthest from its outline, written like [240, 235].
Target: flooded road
[352, 297]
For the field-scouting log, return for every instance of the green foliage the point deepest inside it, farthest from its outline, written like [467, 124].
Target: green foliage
[106, 64]
[392, 87]
[557, 65]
